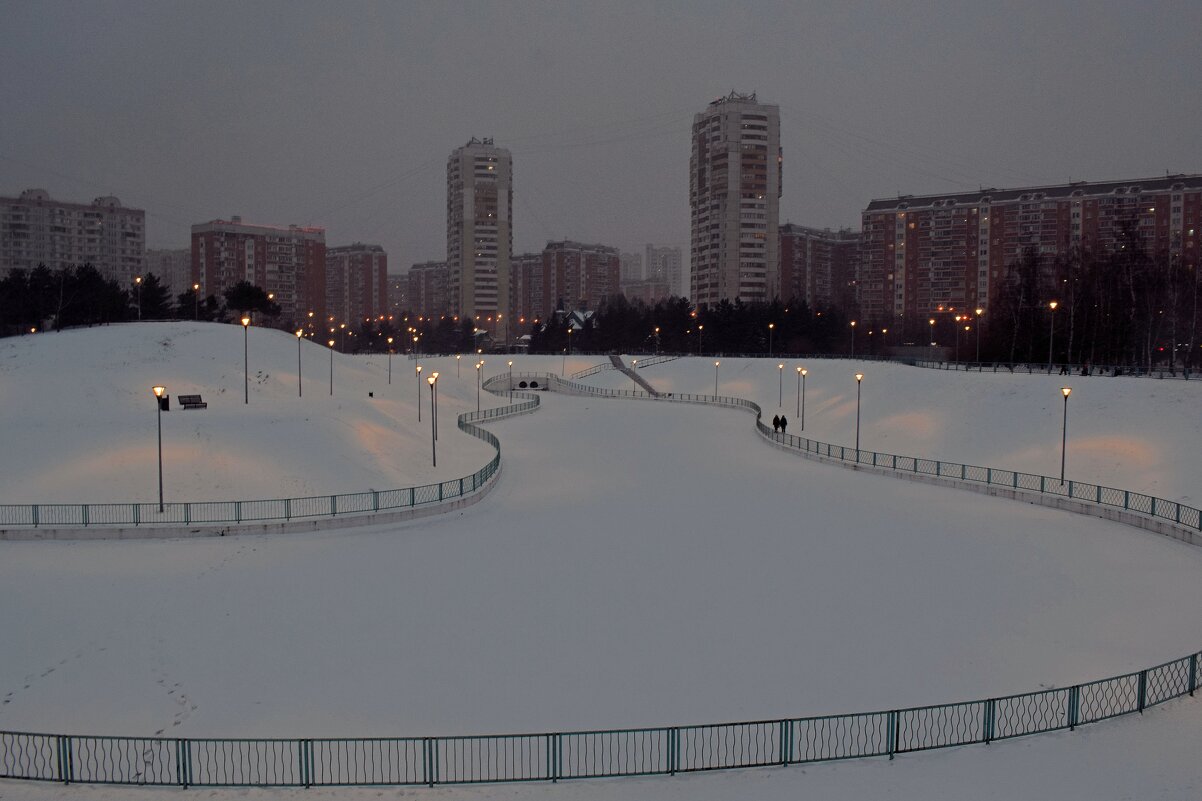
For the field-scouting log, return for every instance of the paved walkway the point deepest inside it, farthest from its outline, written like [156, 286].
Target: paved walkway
[633, 374]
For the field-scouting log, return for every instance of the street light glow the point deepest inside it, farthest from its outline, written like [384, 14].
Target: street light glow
[1067, 391]
[859, 377]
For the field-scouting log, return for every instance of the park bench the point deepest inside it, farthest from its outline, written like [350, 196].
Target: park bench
[191, 402]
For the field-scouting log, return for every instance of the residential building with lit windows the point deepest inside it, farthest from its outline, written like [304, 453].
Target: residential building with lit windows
[930, 253]
[578, 276]
[526, 290]
[173, 268]
[35, 229]
[426, 289]
[289, 263]
[664, 265]
[357, 283]
[480, 234]
[819, 265]
[734, 197]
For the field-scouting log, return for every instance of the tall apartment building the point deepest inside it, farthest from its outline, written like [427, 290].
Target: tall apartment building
[578, 276]
[34, 229]
[664, 265]
[921, 253]
[398, 294]
[819, 265]
[526, 290]
[427, 289]
[173, 268]
[357, 283]
[289, 263]
[734, 195]
[632, 266]
[480, 234]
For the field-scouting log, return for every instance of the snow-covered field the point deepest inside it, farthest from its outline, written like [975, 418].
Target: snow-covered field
[637, 563]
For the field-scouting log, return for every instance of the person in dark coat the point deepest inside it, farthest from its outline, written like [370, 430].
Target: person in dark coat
[776, 422]
[784, 423]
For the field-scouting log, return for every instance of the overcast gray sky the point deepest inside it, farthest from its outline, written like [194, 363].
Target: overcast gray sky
[342, 114]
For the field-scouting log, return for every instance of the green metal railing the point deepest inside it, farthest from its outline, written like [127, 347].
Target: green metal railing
[216, 513]
[552, 756]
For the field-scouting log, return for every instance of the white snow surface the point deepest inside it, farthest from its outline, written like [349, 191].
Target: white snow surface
[637, 564]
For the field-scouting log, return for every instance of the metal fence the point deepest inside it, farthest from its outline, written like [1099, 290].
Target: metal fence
[551, 756]
[213, 513]
[1058, 368]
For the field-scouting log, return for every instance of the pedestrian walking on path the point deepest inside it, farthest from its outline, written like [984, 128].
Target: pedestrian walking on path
[776, 422]
[784, 422]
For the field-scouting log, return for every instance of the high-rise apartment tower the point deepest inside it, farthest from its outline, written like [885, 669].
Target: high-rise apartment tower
[480, 234]
[734, 195]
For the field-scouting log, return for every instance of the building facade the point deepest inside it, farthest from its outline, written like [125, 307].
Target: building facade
[526, 290]
[34, 229]
[480, 234]
[427, 290]
[819, 266]
[930, 253]
[664, 265]
[172, 267]
[357, 283]
[632, 266]
[288, 263]
[734, 197]
[578, 276]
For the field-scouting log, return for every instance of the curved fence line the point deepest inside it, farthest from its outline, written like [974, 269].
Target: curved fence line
[1059, 368]
[217, 513]
[551, 756]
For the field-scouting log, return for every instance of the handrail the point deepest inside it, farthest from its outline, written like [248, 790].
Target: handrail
[551, 756]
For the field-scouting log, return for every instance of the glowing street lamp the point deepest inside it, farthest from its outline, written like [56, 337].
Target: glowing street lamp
[780, 385]
[433, 429]
[434, 385]
[771, 328]
[331, 344]
[245, 361]
[1052, 333]
[853, 337]
[390, 360]
[1065, 391]
[418, 372]
[957, 333]
[979, 313]
[478, 366]
[716, 379]
[700, 328]
[801, 395]
[138, 285]
[458, 356]
[634, 386]
[657, 340]
[158, 394]
[196, 301]
[511, 379]
[299, 335]
[859, 379]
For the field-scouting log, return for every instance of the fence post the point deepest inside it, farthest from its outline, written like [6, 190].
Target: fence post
[1043, 484]
[1099, 495]
[990, 712]
[1193, 674]
[988, 475]
[307, 761]
[287, 508]
[673, 750]
[188, 512]
[1074, 703]
[1126, 499]
[333, 505]
[1143, 690]
[137, 514]
[238, 511]
[428, 761]
[788, 742]
[61, 749]
[375, 500]
[891, 733]
[84, 508]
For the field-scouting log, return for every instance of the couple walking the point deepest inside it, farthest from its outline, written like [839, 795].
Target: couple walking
[779, 423]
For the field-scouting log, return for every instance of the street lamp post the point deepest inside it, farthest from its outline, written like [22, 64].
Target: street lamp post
[433, 429]
[657, 340]
[511, 379]
[853, 337]
[700, 328]
[158, 394]
[1051, 333]
[716, 379]
[771, 328]
[331, 344]
[957, 332]
[801, 404]
[478, 366]
[458, 356]
[569, 340]
[859, 379]
[634, 385]
[979, 313]
[418, 372]
[245, 361]
[434, 386]
[138, 287]
[780, 385]
[299, 389]
[1065, 391]
[390, 360]
[196, 301]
